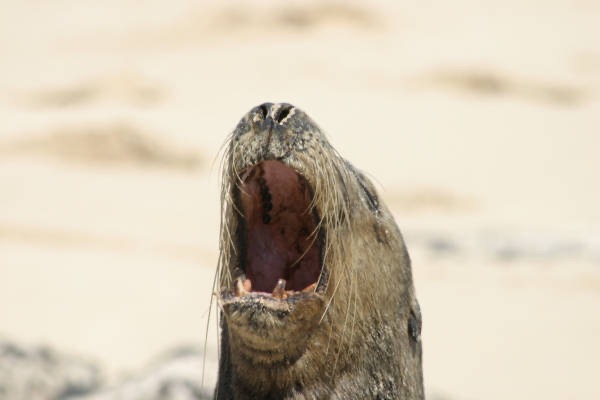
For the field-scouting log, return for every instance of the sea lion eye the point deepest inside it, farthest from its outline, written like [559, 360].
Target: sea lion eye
[367, 188]
[369, 192]
[372, 199]
[414, 324]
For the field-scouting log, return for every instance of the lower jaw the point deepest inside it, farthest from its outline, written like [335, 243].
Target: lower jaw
[264, 311]
[264, 323]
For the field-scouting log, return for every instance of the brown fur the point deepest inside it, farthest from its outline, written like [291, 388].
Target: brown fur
[357, 336]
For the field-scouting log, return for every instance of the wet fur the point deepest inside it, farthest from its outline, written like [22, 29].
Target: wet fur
[361, 339]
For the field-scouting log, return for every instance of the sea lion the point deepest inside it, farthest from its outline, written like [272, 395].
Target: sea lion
[315, 285]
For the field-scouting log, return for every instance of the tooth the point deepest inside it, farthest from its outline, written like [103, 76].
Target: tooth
[241, 288]
[310, 288]
[279, 291]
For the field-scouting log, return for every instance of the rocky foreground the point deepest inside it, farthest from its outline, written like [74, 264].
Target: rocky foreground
[42, 373]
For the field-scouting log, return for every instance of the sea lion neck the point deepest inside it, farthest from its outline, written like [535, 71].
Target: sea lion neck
[315, 286]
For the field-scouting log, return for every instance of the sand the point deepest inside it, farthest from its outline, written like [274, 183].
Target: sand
[478, 120]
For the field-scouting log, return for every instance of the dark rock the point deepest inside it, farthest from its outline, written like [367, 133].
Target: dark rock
[175, 376]
[39, 373]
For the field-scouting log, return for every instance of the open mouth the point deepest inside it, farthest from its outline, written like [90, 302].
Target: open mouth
[281, 245]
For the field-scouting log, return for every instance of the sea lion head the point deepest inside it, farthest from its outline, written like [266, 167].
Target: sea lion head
[312, 268]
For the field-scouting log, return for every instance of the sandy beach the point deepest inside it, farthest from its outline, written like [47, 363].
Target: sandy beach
[478, 121]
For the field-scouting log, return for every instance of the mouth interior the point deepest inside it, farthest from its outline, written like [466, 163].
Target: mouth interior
[280, 235]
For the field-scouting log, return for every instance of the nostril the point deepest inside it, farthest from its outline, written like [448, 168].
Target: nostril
[282, 113]
[264, 110]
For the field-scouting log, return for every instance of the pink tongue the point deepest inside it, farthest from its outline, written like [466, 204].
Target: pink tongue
[267, 257]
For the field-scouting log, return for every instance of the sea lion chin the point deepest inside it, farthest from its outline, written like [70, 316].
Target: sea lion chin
[315, 284]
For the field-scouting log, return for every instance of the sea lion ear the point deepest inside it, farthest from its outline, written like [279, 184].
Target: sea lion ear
[370, 194]
[414, 322]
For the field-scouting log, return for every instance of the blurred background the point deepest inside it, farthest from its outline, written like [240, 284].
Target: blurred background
[478, 120]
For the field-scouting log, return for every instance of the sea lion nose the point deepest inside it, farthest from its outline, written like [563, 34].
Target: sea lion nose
[271, 113]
